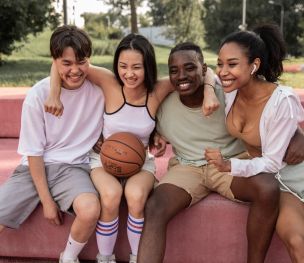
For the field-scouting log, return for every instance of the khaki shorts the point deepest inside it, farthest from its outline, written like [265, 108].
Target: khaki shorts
[148, 166]
[198, 181]
[19, 198]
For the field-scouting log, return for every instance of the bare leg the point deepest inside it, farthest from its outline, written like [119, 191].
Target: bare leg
[1, 228]
[290, 226]
[87, 210]
[137, 190]
[166, 201]
[263, 192]
[110, 191]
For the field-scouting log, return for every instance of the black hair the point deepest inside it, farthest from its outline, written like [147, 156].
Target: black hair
[266, 43]
[141, 44]
[189, 46]
[70, 36]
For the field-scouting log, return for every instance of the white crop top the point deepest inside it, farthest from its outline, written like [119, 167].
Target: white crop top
[130, 118]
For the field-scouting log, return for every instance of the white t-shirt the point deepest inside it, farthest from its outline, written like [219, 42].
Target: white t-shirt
[69, 138]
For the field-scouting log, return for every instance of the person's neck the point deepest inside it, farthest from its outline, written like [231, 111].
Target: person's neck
[133, 95]
[254, 90]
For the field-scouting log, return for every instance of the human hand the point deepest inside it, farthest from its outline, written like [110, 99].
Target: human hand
[52, 213]
[97, 145]
[295, 153]
[210, 105]
[160, 145]
[214, 156]
[53, 106]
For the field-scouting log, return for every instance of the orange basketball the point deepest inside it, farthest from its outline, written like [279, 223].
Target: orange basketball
[122, 154]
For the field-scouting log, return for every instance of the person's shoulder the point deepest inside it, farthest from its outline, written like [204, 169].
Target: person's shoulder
[39, 89]
[170, 98]
[282, 92]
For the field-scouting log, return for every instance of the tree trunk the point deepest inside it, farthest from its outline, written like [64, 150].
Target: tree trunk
[65, 12]
[134, 28]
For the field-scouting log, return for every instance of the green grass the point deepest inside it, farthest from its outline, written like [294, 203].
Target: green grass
[31, 62]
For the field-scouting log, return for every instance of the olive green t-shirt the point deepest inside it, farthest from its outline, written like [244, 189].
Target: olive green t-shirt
[189, 132]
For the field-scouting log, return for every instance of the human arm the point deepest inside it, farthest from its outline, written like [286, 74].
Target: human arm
[163, 87]
[214, 156]
[100, 76]
[276, 132]
[53, 103]
[160, 145]
[211, 102]
[295, 153]
[50, 209]
[275, 136]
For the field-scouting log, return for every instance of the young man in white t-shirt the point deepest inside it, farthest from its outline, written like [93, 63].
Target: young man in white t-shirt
[54, 168]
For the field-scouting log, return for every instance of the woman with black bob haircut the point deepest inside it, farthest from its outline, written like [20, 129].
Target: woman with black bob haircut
[264, 115]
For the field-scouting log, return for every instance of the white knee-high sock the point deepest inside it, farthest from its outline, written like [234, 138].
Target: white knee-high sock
[106, 235]
[134, 229]
[72, 249]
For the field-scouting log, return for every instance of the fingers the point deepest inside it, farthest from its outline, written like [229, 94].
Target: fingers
[57, 220]
[55, 109]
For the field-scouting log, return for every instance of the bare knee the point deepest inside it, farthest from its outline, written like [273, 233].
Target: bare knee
[294, 242]
[136, 200]
[1, 228]
[87, 208]
[266, 190]
[156, 211]
[110, 200]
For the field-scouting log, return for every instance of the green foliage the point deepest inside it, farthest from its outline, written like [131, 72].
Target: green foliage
[19, 18]
[32, 62]
[183, 19]
[101, 26]
[102, 47]
[128, 8]
[158, 11]
[222, 17]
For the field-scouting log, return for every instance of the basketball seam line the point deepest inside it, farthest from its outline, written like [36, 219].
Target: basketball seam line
[123, 161]
[129, 147]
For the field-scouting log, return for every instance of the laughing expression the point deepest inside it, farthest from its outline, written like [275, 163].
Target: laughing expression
[186, 72]
[131, 68]
[72, 71]
[232, 67]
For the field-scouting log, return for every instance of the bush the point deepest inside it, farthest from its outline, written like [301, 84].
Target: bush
[104, 47]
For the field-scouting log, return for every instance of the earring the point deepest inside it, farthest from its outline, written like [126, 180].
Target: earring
[253, 70]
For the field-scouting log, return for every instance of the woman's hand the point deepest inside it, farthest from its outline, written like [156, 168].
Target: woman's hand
[214, 156]
[53, 106]
[210, 103]
[160, 144]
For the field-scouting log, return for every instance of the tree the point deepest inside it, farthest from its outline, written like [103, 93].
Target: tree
[182, 18]
[19, 18]
[184, 21]
[121, 5]
[222, 17]
[158, 11]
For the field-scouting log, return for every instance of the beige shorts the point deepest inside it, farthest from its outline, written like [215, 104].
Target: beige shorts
[198, 181]
[148, 166]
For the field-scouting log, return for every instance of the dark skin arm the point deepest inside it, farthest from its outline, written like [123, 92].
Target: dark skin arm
[295, 150]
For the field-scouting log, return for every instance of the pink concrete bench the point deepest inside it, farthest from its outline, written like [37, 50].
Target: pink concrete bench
[214, 230]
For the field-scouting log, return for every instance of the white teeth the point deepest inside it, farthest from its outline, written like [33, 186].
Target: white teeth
[227, 82]
[184, 86]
